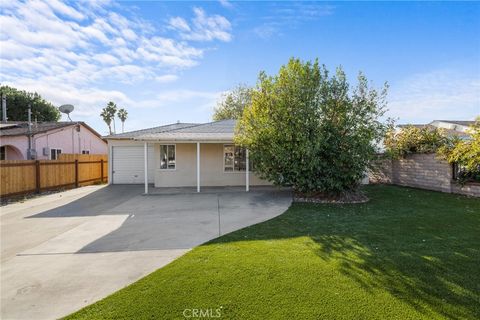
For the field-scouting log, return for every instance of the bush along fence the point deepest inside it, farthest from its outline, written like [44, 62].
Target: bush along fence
[19, 177]
[422, 170]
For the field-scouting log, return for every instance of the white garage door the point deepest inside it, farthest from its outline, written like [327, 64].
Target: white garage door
[128, 165]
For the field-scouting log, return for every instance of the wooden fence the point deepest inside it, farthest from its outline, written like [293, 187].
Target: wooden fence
[19, 177]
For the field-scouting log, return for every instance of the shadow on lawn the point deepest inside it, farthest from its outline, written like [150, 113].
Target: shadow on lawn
[422, 247]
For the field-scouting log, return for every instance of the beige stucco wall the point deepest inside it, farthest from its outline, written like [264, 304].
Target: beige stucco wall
[211, 168]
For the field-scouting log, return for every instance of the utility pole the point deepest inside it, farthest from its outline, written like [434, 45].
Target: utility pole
[29, 153]
[4, 108]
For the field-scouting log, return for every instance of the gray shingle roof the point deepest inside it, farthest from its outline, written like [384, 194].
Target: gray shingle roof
[154, 130]
[213, 131]
[20, 128]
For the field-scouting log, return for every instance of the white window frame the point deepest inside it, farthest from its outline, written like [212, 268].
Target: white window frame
[56, 153]
[223, 151]
[160, 154]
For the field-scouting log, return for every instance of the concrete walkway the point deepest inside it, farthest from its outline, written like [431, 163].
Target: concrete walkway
[64, 251]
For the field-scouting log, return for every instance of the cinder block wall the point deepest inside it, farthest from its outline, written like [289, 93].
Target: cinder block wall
[382, 172]
[423, 171]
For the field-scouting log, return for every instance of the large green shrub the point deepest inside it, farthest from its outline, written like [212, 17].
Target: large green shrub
[310, 130]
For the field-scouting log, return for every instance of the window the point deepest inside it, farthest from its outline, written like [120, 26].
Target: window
[167, 156]
[3, 153]
[235, 158]
[85, 151]
[54, 153]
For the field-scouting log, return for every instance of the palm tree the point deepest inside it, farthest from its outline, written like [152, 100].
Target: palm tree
[122, 115]
[106, 116]
[112, 109]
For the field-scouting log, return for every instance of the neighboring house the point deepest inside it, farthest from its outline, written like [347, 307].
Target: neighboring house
[451, 127]
[48, 139]
[181, 155]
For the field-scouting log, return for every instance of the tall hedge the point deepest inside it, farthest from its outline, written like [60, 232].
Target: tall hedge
[18, 101]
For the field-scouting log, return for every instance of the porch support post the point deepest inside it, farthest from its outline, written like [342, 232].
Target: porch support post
[110, 163]
[145, 155]
[198, 166]
[247, 173]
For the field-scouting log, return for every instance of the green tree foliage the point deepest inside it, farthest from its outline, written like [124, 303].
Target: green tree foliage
[122, 115]
[107, 118]
[232, 104]
[411, 139]
[17, 106]
[310, 130]
[108, 115]
[465, 153]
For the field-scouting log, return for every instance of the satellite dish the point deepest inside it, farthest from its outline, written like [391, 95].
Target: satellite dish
[67, 109]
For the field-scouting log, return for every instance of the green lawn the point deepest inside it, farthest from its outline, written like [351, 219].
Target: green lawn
[406, 254]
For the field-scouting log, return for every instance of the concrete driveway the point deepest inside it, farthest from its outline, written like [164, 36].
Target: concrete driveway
[64, 251]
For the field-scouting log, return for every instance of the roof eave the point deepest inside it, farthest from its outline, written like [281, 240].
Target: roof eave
[177, 140]
[117, 138]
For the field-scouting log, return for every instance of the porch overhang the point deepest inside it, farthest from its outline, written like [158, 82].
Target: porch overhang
[172, 141]
[198, 143]
[187, 138]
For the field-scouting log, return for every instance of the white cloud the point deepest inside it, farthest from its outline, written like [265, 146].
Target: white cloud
[290, 15]
[105, 58]
[197, 100]
[91, 100]
[203, 27]
[166, 78]
[30, 29]
[266, 31]
[76, 52]
[62, 8]
[11, 49]
[178, 95]
[446, 94]
[179, 24]
[226, 4]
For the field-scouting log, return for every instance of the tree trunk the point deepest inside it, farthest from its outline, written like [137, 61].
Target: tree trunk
[123, 122]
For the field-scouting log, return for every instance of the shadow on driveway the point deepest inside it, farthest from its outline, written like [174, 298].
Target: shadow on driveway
[170, 221]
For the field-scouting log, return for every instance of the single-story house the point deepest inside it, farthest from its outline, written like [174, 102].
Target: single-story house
[458, 128]
[181, 155]
[46, 140]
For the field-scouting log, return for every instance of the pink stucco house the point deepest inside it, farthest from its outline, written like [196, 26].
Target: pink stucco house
[47, 140]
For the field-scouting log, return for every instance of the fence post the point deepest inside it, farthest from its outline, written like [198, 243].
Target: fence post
[101, 169]
[76, 173]
[37, 176]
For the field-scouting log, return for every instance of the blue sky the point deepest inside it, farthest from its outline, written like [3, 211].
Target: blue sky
[169, 61]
